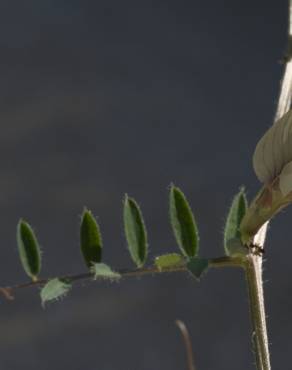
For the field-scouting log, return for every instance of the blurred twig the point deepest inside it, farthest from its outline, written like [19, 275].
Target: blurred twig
[188, 344]
[7, 293]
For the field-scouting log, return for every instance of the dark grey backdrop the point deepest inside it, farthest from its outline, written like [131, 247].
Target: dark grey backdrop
[99, 98]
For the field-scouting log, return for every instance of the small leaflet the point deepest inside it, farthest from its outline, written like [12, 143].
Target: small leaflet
[90, 239]
[101, 270]
[197, 267]
[29, 250]
[135, 232]
[183, 223]
[167, 261]
[54, 289]
[235, 215]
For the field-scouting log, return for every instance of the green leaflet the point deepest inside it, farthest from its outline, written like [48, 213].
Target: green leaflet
[54, 289]
[235, 215]
[135, 231]
[167, 261]
[90, 239]
[235, 248]
[198, 266]
[183, 223]
[29, 250]
[101, 270]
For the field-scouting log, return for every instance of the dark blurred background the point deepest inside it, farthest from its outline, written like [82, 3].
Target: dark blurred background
[99, 98]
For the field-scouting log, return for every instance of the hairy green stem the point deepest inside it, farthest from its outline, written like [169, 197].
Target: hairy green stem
[257, 312]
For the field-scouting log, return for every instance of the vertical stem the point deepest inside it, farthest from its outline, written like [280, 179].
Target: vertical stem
[257, 311]
[252, 313]
[253, 268]
[253, 271]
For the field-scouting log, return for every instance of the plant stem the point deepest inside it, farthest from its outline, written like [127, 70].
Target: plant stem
[257, 312]
[253, 268]
[7, 291]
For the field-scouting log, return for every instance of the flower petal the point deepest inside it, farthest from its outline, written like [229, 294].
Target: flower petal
[285, 180]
